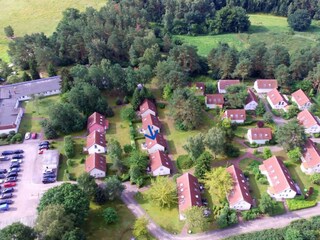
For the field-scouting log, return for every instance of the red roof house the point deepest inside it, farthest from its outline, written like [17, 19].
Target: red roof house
[152, 121]
[310, 158]
[259, 135]
[235, 115]
[276, 100]
[159, 143]
[189, 194]
[239, 198]
[160, 163]
[96, 143]
[214, 100]
[280, 181]
[251, 101]
[223, 84]
[265, 85]
[96, 165]
[301, 99]
[310, 122]
[97, 122]
[148, 107]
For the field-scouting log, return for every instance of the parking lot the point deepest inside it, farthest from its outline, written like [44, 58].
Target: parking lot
[29, 188]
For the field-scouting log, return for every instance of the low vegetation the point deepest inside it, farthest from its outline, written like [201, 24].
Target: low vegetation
[300, 203]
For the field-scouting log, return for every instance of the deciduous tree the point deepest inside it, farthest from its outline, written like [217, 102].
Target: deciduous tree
[113, 188]
[215, 140]
[300, 20]
[236, 95]
[87, 183]
[110, 215]
[17, 231]
[203, 164]
[195, 146]
[195, 218]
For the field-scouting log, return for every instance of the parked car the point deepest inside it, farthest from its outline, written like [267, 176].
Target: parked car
[1, 181]
[6, 201]
[10, 179]
[4, 207]
[4, 158]
[44, 147]
[7, 152]
[41, 151]
[44, 143]
[16, 160]
[7, 190]
[18, 151]
[18, 156]
[2, 176]
[3, 171]
[14, 170]
[15, 165]
[27, 136]
[48, 180]
[12, 174]
[6, 195]
[34, 135]
[9, 184]
[49, 175]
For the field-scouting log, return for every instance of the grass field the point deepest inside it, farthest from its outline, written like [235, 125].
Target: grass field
[95, 227]
[266, 28]
[29, 16]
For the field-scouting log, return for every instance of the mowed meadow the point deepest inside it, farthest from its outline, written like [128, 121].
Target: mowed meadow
[265, 28]
[29, 16]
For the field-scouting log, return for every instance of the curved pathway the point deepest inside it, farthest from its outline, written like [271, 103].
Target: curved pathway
[245, 227]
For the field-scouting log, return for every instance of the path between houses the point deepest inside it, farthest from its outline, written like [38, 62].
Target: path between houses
[245, 227]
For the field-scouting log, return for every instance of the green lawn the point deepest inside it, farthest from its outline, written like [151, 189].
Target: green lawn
[35, 16]
[35, 111]
[267, 28]
[95, 227]
[166, 218]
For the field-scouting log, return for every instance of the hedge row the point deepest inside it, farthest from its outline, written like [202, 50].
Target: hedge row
[300, 203]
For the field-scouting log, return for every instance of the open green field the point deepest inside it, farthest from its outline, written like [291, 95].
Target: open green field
[29, 16]
[95, 227]
[266, 28]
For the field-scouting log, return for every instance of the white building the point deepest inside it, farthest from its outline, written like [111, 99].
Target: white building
[301, 99]
[96, 143]
[280, 181]
[96, 165]
[276, 100]
[265, 85]
[239, 198]
[259, 135]
[251, 101]
[214, 100]
[310, 122]
[224, 84]
[310, 159]
[235, 115]
[160, 163]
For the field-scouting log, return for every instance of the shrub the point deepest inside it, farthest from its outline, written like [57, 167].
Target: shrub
[300, 203]
[128, 114]
[125, 177]
[315, 178]
[161, 105]
[16, 138]
[110, 215]
[260, 124]
[256, 152]
[69, 146]
[119, 101]
[184, 162]
[250, 214]
[176, 176]
[267, 153]
[69, 163]
[232, 151]
[126, 100]
[263, 180]
[300, 20]
[82, 160]
[127, 148]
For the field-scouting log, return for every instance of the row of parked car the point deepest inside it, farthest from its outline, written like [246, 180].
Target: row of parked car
[30, 135]
[45, 145]
[49, 175]
[9, 177]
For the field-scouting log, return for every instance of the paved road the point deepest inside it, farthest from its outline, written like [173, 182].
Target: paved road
[251, 226]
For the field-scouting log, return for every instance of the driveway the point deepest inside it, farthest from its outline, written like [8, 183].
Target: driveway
[29, 187]
[246, 227]
[277, 120]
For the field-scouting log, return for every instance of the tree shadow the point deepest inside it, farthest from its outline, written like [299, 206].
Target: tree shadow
[165, 128]
[112, 128]
[171, 147]
[258, 29]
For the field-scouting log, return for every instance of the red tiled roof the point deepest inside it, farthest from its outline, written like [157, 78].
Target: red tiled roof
[215, 99]
[275, 96]
[95, 161]
[278, 175]
[235, 114]
[307, 119]
[267, 83]
[223, 84]
[189, 194]
[261, 133]
[150, 120]
[159, 159]
[241, 189]
[146, 105]
[97, 118]
[158, 140]
[311, 155]
[96, 138]
[300, 97]
[251, 97]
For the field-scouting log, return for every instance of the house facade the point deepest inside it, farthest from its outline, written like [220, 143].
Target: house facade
[235, 115]
[223, 84]
[189, 193]
[214, 100]
[152, 121]
[276, 100]
[158, 144]
[239, 198]
[280, 181]
[251, 101]
[259, 135]
[147, 107]
[310, 122]
[160, 163]
[96, 165]
[301, 99]
[97, 122]
[310, 159]
[265, 85]
[96, 143]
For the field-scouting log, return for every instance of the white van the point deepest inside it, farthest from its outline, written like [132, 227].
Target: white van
[16, 160]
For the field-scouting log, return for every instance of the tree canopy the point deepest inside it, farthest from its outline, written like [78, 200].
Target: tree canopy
[17, 231]
[300, 20]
